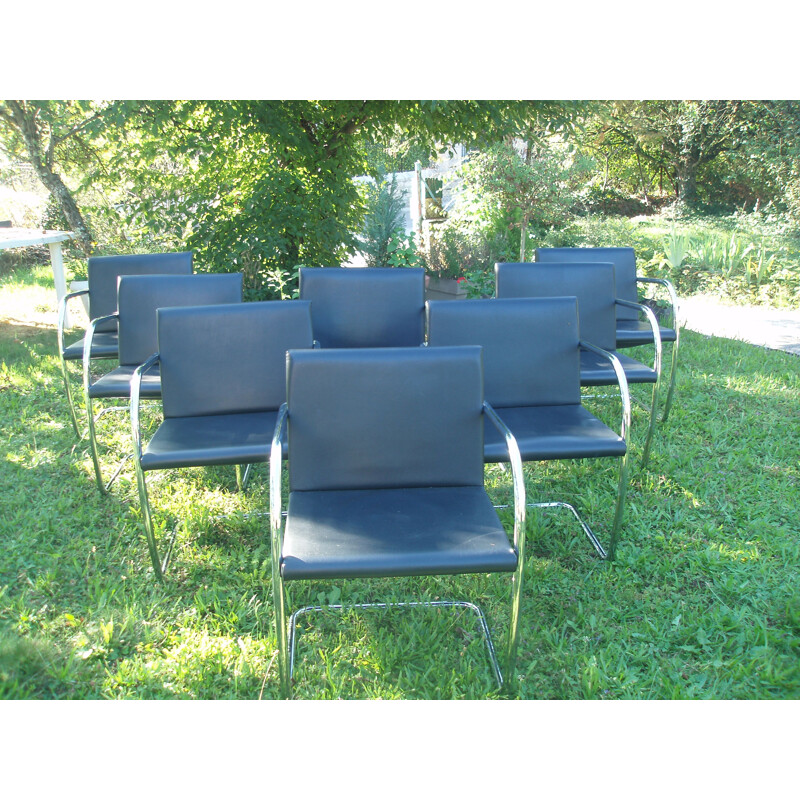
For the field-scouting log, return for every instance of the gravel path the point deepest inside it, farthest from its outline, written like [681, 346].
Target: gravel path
[775, 328]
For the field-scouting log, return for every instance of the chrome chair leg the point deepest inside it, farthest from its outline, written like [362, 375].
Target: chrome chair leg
[672, 373]
[652, 426]
[160, 565]
[243, 476]
[70, 402]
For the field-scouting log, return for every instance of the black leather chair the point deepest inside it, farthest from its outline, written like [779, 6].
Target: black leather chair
[139, 297]
[531, 357]
[103, 272]
[594, 287]
[631, 330]
[223, 378]
[385, 462]
[365, 307]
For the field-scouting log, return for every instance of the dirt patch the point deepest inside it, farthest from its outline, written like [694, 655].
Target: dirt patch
[19, 331]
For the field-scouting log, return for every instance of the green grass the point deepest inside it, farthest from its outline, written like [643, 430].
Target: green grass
[702, 601]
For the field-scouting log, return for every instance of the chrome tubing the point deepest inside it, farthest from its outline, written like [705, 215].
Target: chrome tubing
[624, 467]
[675, 345]
[144, 500]
[87, 357]
[651, 318]
[518, 478]
[62, 316]
[414, 604]
[278, 593]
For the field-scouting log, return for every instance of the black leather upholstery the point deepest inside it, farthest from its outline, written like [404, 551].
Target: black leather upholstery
[592, 284]
[103, 274]
[384, 417]
[386, 465]
[367, 307]
[394, 532]
[623, 259]
[594, 287]
[105, 344]
[524, 363]
[631, 331]
[223, 378]
[140, 296]
[227, 359]
[531, 374]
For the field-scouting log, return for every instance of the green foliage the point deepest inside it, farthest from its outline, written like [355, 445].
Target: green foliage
[383, 220]
[458, 248]
[402, 251]
[676, 248]
[506, 188]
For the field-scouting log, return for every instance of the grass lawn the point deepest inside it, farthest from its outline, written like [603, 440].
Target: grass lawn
[703, 600]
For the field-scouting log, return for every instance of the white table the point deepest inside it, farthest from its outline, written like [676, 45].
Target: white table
[28, 237]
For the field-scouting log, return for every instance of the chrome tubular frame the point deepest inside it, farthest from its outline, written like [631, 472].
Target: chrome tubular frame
[518, 478]
[293, 634]
[287, 639]
[159, 565]
[62, 316]
[651, 318]
[622, 482]
[673, 295]
[87, 350]
[275, 517]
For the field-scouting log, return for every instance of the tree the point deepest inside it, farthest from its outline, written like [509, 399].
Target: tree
[263, 186]
[676, 138]
[41, 132]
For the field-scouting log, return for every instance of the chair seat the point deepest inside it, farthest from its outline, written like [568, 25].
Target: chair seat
[393, 532]
[633, 332]
[117, 383]
[552, 432]
[597, 371]
[211, 440]
[105, 344]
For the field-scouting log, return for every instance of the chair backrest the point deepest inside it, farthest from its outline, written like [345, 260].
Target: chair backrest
[592, 284]
[365, 307]
[623, 259]
[230, 358]
[385, 418]
[105, 270]
[140, 296]
[530, 346]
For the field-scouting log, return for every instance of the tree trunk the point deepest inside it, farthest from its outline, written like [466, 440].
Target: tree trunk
[523, 236]
[25, 122]
[686, 180]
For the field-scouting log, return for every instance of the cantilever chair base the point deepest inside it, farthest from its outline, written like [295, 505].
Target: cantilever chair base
[484, 627]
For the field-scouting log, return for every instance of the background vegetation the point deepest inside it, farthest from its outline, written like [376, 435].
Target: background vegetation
[262, 187]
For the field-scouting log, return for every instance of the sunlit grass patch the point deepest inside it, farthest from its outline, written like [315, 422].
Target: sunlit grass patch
[701, 602]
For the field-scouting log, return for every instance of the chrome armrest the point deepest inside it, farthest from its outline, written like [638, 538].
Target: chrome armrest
[673, 295]
[515, 459]
[87, 346]
[136, 389]
[275, 466]
[654, 327]
[62, 315]
[624, 391]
